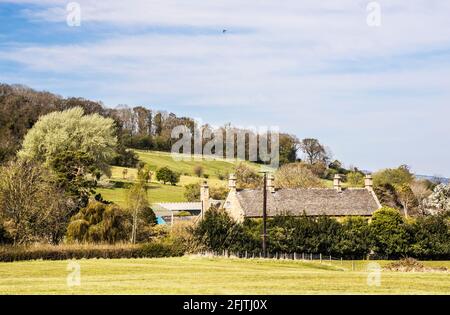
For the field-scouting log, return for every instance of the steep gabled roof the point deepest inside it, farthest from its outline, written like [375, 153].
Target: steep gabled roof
[314, 202]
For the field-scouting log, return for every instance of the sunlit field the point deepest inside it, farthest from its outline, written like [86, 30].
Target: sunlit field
[200, 275]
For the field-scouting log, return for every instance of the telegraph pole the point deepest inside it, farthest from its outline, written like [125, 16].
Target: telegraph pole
[264, 235]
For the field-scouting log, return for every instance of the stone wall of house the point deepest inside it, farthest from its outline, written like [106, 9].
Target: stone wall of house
[233, 207]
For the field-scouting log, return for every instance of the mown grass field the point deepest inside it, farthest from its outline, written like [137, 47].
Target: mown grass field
[200, 275]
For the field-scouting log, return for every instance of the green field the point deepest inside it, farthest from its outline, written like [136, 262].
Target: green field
[158, 192]
[186, 166]
[199, 275]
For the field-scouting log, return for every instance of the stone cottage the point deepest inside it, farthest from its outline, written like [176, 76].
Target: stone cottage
[334, 202]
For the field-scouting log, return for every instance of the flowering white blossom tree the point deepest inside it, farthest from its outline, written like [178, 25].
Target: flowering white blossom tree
[439, 200]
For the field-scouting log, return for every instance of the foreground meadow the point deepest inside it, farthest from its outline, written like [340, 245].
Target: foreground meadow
[201, 275]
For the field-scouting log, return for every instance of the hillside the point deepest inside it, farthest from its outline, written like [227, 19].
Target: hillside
[114, 189]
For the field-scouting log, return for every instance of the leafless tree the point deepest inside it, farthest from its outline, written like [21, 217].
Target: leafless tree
[314, 150]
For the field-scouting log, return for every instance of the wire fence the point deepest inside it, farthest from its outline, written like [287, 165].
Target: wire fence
[347, 264]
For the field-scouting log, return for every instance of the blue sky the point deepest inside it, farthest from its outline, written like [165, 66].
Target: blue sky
[377, 96]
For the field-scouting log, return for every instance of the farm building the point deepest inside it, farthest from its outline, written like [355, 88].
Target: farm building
[169, 212]
[334, 202]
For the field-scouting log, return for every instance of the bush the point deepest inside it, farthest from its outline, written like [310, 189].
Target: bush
[355, 179]
[429, 237]
[354, 241]
[216, 231]
[99, 222]
[388, 233]
[192, 192]
[198, 170]
[296, 175]
[125, 157]
[88, 251]
[166, 175]
[77, 230]
[218, 192]
[161, 249]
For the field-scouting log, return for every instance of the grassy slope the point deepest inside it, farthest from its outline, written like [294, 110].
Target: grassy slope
[193, 275]
[211, 167]
[158, 192]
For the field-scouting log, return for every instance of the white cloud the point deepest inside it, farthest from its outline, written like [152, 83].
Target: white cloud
[288, 60]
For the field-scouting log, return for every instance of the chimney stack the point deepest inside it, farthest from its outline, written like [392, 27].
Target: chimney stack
[368, 182]
[232, 182]
[337, 182]
[270, 183]
[204, 196]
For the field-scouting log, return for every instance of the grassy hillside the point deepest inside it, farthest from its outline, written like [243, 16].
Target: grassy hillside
[213, 168]
[158, 192]
[195, 275]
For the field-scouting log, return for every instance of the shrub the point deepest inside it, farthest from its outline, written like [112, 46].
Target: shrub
[192, 192]
[125, 157]
[296, 175]
[88, 251]
[355, 179]
[246, 177]
[166, 175]
[388, 233]
[99, 222]
[354, 241]
[216, 230]
[148, 216]
[218, 192]
[198, 170]
[181, 234]
[221, 175]
[77, 230]
[161, 249]
[429, 237]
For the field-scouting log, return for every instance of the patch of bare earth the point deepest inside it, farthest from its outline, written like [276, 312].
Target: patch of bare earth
[412, 265]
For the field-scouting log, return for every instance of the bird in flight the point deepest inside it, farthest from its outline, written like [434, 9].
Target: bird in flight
[224, 31]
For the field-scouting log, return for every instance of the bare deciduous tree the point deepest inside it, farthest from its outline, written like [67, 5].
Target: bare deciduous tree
[35, 209]
[314, 150]
[137, 202]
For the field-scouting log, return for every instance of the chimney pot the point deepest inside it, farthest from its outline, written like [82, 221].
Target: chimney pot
[337, 182]
[232, 182]
[368, 182]
[204, 196]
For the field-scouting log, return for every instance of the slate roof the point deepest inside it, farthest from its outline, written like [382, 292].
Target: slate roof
[313, 202]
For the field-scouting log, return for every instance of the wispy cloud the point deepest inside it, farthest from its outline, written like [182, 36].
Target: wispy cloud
[313, 67]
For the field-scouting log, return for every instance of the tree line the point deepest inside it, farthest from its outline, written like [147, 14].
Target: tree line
[136, 127]
[387, 236]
